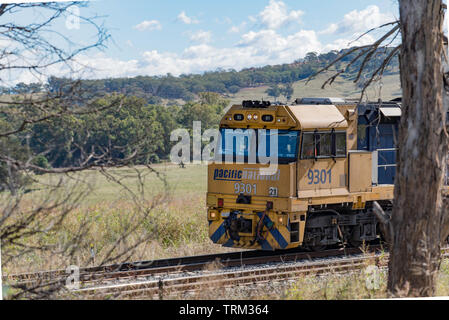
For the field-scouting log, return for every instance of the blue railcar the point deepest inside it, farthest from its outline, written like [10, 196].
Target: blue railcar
[378, 133]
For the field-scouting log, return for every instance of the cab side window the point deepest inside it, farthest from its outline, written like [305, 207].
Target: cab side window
[340, 144]
[308, 146]
[323, 145]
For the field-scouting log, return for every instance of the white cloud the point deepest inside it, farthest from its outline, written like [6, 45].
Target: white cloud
[359, 21]
[148, 25]
[252, 19]
[333, 27]
[234, 29]
[201, 36]
[275, 15]
[237, 29]
[348, 42]
[279, 49]
[251, 51]
[185, 19]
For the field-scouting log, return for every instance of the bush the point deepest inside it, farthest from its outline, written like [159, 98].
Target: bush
[41, 162]
[234, 89]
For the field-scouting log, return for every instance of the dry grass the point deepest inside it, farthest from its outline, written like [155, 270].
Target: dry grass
[343, 88]
[177, 227]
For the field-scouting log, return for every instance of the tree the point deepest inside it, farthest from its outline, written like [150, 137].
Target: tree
[311, 57]
[419, 222]
[209, 110]
[10, 178]
[287, 91]
[274, 91]
[41, 121]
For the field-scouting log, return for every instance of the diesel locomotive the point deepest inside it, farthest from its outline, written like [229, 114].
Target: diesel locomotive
[334, 159]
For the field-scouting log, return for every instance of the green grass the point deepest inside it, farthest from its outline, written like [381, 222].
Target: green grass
[191, 180]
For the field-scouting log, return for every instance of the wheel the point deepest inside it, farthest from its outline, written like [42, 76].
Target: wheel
[354, 239]
[355, 243]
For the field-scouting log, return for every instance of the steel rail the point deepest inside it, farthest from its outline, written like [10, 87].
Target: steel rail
[165, 288]
[131, 270]
[171, 287]
[145, 272]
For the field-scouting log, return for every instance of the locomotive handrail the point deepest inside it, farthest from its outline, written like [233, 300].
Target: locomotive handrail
[387, 149]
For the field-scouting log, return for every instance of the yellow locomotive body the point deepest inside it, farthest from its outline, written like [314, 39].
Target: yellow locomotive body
[322, 190]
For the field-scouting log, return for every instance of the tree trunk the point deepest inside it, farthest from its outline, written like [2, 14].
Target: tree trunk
[417, 214]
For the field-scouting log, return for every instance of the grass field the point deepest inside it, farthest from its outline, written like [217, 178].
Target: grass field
[190, 181]
[177, 226]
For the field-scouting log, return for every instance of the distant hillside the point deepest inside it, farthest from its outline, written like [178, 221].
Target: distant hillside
[389, 88]
[251, 83]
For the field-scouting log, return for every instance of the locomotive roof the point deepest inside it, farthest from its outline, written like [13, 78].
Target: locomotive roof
[299, 117]
[324, 116]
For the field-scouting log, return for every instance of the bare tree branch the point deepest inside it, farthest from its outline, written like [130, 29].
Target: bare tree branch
[366, 53]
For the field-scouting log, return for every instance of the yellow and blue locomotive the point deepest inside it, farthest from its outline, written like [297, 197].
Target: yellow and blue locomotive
[334, 158]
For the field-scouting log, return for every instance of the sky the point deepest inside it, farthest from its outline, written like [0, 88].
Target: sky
[154, 37]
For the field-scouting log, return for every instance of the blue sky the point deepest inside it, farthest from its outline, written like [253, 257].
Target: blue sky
[154, 37]
[216, 17]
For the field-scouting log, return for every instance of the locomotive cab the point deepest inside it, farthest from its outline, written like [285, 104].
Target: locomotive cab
[319, 189]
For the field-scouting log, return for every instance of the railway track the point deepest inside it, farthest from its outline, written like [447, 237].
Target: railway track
[154, 267]
[140, 267]
[158, 269]
[166, 288]
[160, 279]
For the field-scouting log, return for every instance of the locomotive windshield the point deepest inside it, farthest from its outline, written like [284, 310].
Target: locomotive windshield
[250, 145]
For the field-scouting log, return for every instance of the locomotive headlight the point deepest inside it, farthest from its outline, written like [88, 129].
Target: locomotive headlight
[213, 215]
[249, 117]
[255, 117]
[282, 219]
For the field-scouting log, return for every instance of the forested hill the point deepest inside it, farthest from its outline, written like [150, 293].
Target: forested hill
[278, 78]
